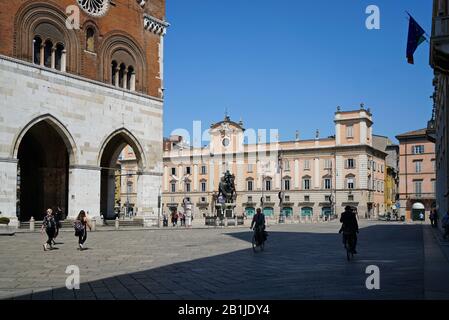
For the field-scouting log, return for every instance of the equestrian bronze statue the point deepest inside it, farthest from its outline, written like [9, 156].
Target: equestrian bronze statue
[226, 188]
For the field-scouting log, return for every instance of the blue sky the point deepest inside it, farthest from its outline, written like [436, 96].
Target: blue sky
[287, 64]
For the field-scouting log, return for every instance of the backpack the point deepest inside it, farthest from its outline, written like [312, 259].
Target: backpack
[79, 228]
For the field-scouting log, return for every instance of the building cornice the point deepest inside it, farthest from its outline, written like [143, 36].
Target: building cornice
[155, 25]
[303, 151]
[119, 92]
[10, 160]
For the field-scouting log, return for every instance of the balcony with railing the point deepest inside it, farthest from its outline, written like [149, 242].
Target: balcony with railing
[439, 44]
[421, 196]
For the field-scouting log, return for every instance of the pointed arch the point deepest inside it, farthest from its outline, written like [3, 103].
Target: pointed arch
[55, 124]
[119, 137]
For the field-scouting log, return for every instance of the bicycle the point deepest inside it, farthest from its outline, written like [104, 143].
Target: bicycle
[349, 245]
[258, 240]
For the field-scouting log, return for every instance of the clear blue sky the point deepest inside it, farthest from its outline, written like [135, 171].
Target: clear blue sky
[287, 64]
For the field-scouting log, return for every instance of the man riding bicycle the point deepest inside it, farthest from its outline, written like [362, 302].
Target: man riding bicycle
[349, 228]
[258, 224]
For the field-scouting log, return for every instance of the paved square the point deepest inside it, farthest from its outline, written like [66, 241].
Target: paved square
[300, 262]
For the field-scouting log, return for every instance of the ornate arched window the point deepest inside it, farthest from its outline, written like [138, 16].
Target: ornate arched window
[42, 37]
[123, 53]
[95, 8]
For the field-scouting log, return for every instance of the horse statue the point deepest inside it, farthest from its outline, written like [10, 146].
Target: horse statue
[226, 188]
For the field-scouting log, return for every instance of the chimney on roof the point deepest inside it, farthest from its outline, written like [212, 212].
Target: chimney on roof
[297, 135]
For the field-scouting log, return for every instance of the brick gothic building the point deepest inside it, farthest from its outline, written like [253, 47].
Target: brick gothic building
[71, 99]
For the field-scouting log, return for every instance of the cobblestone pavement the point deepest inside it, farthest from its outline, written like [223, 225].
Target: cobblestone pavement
[305, 261]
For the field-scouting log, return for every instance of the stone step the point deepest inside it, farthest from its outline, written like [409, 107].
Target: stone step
[67, 224]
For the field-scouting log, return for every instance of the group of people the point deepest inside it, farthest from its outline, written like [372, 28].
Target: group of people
[52, 223]
[184, 219]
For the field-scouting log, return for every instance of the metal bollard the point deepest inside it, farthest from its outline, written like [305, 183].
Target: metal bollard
[94, 224]
[117, 223]
[32, 221]
[226, 222]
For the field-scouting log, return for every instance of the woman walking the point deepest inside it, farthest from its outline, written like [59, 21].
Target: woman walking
[174, 218]
[49, 224]
[81, 225]
[57, 213]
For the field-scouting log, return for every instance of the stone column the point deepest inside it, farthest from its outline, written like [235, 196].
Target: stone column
[195, 178]
[147, 197]
[116, 77]
[64, 61]
[132, 85]
[53, 57]
[8, 194]
[84, 191]
[125, 79]
[42, 62]
[166, 180]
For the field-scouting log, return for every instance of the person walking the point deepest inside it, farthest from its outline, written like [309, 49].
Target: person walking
[49, 225]
[165, 219]
[174, 218]
[58, 218]
[183, 219]
[435, 217]
[81, 224]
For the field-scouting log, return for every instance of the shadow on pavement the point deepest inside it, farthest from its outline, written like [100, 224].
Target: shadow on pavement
[294, 265]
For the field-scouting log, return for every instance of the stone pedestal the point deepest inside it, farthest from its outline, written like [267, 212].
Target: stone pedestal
[150, 220]
[32, 224]
[93, 224]
[226, 212]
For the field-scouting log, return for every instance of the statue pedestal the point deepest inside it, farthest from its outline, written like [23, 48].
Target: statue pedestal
[226, 214]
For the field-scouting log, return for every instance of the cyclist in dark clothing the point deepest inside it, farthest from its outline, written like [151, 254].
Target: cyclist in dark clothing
[258, 224]
[350, 227]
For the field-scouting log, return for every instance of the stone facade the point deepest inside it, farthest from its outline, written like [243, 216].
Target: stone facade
[318, 177]
[439, 129]
[416, 174]
[62, 127]
[391, 190]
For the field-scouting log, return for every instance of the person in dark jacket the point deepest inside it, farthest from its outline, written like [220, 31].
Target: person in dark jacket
[350, 227]
[58, 215]
[49, 225]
